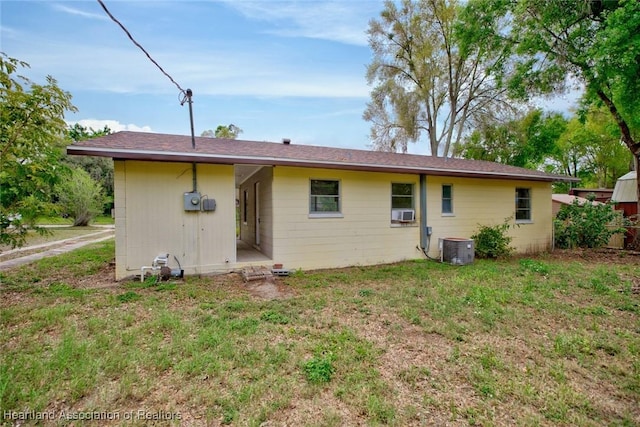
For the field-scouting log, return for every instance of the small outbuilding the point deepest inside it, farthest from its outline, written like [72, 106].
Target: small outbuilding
[599, 194]
[625, 194]
[558, 200]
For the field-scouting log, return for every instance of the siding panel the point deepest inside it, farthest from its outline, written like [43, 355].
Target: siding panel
[363, 235]
[150, 216]
[490, 202]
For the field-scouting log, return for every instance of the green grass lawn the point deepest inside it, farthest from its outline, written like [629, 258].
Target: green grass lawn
[51, 235]
[550, 340]
[57, 220]
[58, 228]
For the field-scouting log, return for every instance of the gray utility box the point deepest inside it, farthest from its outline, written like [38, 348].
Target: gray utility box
[208, 205]
[192, 201]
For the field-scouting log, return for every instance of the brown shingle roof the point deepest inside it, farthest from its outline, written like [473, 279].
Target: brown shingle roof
[162, 147]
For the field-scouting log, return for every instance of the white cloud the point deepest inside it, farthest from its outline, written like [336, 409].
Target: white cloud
[339, 21]
[9, 33]
[126, 70]
[312, 86]
[78, 12]
[114, 125]
[337, 113]
[106, 61]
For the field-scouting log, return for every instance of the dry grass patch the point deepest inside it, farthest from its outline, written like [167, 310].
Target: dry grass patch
[542, 341]
[37, 242]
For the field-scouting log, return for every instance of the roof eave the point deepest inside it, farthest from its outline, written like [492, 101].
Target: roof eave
[169, 156]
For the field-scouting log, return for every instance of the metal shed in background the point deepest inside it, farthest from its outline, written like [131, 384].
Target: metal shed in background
[625, 194]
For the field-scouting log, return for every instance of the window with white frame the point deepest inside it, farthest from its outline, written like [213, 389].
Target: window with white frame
[324, 196]
[447, 199]
[523, 204]
[402, 202]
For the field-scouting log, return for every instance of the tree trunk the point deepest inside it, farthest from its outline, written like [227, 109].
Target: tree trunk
[82, 220]
[633, 146]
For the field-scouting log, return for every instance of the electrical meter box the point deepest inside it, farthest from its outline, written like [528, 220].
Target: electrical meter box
[192, 201]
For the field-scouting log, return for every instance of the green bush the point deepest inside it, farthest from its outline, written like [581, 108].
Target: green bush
[584, 225]
[492, 241]
[80, 197]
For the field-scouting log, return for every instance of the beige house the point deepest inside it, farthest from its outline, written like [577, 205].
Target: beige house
[218, 205]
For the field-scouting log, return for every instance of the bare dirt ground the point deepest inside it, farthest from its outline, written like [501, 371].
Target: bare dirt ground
[273, 288]
[602, 255]
[268, 289]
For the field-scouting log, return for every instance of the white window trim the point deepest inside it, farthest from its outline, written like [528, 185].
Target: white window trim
[398, 224]
[326, 215]
[337, 214]
[447, 214]
[524, 221]
[530, 219]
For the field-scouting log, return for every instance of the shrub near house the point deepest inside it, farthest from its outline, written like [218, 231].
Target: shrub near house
[584, 225]
[493, 241]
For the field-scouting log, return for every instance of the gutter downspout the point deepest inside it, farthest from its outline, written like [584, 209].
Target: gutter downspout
[424, 238]
[425, 231]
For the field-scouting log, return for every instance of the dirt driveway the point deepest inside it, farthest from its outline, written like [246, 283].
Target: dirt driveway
[20, 256]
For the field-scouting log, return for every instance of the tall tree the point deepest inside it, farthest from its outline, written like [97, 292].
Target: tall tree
[80, 197]
[435, 69]
[526, 140]
[226, 132]
[99, 168]
[593, 43]
[591, 149]
[77, 132]
[32, 130]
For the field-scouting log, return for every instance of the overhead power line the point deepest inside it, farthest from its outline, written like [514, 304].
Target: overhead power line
[114, 19]
[186, 94]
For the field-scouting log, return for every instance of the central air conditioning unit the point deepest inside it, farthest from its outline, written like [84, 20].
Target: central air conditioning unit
[403, 215]
[456, 251]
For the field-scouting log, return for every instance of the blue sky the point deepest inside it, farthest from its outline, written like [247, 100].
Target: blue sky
[276, 69]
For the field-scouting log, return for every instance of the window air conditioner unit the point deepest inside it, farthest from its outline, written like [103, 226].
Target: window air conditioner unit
[456, 251]
[403, 215]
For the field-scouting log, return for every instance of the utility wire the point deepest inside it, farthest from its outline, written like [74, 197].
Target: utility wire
[114, 19]
[186, 94]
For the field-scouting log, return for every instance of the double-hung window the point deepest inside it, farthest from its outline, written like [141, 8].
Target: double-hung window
[324, 196]
[523, 204]
[447, 199]
[402, 202]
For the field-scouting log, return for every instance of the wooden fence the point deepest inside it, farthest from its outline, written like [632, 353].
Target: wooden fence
[622, 240]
